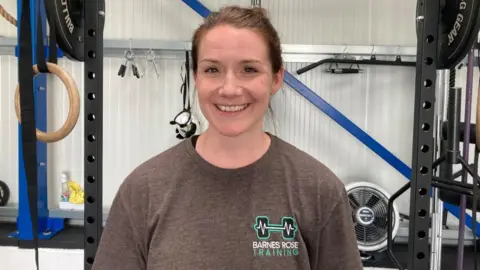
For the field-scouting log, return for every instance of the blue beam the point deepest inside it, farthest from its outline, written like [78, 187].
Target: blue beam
[344, 122]
[47, 227]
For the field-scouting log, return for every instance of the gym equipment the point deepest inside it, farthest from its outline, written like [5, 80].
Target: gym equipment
[68, 17]
[372, 61]
[4, 193]
[129, 58]
[264, 228]
[449, 155]
[52, 67]
[369, 203]
[150, 57]
[186, 126]
[74, 100]
[458, 29]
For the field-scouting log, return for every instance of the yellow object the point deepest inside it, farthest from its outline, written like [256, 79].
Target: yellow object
[76, 192]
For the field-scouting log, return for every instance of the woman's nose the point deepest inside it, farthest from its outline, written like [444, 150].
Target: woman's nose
[230, 85]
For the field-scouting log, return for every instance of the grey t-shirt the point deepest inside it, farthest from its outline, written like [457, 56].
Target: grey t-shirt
[177, 211]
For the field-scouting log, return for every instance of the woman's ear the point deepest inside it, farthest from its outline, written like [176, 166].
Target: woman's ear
[278, 80]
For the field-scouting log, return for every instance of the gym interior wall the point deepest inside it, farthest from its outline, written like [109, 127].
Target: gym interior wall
[137, 110]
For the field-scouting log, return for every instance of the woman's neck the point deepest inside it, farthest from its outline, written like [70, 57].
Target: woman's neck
[232, 152]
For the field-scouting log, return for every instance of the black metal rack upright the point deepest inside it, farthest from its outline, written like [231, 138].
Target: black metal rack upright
[422, 159]
[93, 121]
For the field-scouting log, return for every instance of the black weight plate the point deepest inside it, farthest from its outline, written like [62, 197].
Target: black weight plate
[458, 30]
[4, 194]
[67, 15]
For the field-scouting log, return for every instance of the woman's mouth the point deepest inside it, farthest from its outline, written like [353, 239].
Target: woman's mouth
[232, 108]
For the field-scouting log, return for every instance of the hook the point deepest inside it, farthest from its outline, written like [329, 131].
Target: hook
[398, 57]
[372, 53]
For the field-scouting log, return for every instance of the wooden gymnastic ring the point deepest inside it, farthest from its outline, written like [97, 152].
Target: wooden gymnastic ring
[73, 97]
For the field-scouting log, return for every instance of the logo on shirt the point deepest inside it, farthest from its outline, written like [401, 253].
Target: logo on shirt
[267, 246]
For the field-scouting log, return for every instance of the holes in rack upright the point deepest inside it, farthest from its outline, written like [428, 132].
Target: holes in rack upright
[89, 260]
[427, 105]
[424, 148]
[423, 170]
[421, 234]
[428, 61]
[91, 179]
[90, 220]
[91, 138]
[422, 191]
[90, 240]
[91, 158]
[420, 255]
[91, 96]
[427, 83]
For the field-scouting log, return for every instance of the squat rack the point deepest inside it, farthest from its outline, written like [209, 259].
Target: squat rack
[93, 136]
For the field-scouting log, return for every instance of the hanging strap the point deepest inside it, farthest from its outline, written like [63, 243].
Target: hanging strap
[27, 103]
[28, 126]
[185, 89]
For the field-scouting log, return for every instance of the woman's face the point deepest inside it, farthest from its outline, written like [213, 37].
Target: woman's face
[234, 79]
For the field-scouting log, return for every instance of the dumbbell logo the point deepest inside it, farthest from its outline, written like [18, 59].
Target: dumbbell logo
[263, 227]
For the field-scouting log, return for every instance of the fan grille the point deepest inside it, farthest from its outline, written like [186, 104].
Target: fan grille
[371, 230]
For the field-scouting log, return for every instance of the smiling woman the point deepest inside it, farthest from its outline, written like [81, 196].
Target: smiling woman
[234, 196]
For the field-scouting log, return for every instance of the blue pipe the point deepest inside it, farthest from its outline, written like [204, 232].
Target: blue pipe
[344, 122]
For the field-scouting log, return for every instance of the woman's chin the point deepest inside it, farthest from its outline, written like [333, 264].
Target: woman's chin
[230, 130]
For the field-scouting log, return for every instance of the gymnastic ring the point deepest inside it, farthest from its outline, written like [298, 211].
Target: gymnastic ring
[73, 112]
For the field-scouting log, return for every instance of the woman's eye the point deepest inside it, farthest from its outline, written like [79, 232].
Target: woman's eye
[250, 70]
[211, 70]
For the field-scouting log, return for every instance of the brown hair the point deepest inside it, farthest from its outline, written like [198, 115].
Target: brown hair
[254, 18]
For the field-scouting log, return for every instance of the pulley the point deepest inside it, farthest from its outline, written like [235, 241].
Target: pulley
[68, 19]
[459, 24]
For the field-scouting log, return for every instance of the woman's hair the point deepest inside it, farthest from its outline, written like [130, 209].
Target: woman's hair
[254, 18]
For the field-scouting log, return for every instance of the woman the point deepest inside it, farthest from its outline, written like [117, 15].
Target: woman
[234, 197]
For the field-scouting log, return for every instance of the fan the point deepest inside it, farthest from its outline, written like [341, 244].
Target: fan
[369, 204]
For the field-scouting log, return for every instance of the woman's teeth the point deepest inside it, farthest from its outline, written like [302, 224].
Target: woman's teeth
[235, 108]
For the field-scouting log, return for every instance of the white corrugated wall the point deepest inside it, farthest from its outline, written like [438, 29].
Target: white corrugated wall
[137, 112]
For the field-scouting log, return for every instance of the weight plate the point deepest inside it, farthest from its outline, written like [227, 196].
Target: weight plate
[67, 16]
[458, 29]
[4, 194]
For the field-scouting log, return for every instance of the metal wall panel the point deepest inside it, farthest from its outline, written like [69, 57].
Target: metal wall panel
[359, 22]
[8, 125]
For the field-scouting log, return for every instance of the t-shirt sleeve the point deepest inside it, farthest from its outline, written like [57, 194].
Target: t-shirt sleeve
[338, 243]
[122, 244]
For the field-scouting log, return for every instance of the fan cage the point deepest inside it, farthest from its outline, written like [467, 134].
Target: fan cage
[369, 204]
